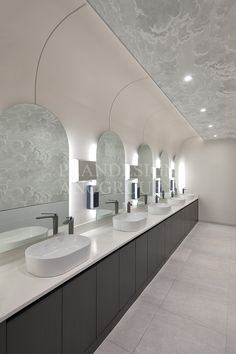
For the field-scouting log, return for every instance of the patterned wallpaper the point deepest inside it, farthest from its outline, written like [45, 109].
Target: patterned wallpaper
[173, 38]
[110, 168]
[34, 167]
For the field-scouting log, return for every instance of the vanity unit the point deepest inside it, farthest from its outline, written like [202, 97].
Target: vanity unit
[78, 314]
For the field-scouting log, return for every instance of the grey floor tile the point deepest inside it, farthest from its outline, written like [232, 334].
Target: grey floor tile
[231, 344]
[232, 279]
[133, 325]
[171, 334]
[157, 290]
[209, 261]
[108, 347]
[231, 324]
[199, 302]
[200, 274]
[181, 254]
[171, 269]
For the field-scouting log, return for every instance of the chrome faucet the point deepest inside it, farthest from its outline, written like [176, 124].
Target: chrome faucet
[172, 194]
[145, 198]
[156, 198]
[129, 207]
[70, 222]
[54, 218]
[116, 205]
[183, 190]
[163, 194]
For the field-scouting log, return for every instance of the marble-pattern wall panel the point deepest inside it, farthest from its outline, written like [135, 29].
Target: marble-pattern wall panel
[110, 168]
[145, 163]
[165, 172]
[172, 38]
[34, 157]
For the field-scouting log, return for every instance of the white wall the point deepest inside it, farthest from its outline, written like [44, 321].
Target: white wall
[82, 69]
[211, 173]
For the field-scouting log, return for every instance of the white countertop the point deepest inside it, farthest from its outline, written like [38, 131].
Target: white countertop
[18, 288]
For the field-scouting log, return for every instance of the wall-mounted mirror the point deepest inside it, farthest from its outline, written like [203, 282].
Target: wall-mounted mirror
[110, 168]
[173, 186]
[145, 163]
[34, 170]
[165, 172]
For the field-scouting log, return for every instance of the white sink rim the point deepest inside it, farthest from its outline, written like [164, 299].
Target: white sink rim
[129, 222]
[176, 201]
[188, 196]
[57, 255]
[159, 208]
[15, 238]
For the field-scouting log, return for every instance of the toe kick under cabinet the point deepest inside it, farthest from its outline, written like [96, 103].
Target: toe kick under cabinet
[78, 315]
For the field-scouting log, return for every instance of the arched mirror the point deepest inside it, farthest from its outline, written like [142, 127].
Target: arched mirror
[165, 172]
[110, 168]
[145, 164]
[34, 171]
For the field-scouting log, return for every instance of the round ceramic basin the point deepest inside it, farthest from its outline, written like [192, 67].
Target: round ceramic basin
[57, 255]
[176, 201]
[129, 221]
[188, 196]
[20, 237]
[159, 208]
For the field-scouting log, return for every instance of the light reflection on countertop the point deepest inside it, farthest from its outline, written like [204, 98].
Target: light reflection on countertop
[19, 288]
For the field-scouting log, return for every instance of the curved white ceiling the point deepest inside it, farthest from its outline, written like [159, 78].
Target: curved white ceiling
[84, 70]
[173, 38]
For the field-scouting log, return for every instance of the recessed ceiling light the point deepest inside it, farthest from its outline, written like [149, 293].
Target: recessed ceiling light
[210, 126]
[188, 78]
[202, 110]
[215, 136]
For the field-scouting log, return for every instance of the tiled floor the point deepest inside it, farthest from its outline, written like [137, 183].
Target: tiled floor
[190, 306]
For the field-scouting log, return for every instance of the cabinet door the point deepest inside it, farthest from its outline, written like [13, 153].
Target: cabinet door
[170, 239]
[3, 338]
[37, 329]
[107, 291]
[155, 248]
[127, 273]
[141, 260]
[79, 313]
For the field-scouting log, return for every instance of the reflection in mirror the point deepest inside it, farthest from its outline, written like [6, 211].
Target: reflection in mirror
[165, 173]
[34, 171]
[173, 187]
[110, 167]
[145, 162]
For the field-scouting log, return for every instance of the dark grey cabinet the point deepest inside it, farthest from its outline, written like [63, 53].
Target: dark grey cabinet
[38, 328]
[3, 338]
[156, 247]
[141, 260]
[127, 273]
[107, 291]
[80, 312]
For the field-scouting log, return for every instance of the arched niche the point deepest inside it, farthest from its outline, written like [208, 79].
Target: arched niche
[34, 157]
[165, 171]
[145, 163]
[110, 168]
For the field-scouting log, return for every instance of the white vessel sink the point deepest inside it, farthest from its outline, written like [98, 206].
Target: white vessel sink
[57, 255]
[188, 196]
[20, 237]
[159, 208]
[177, 201]
[130, 221]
